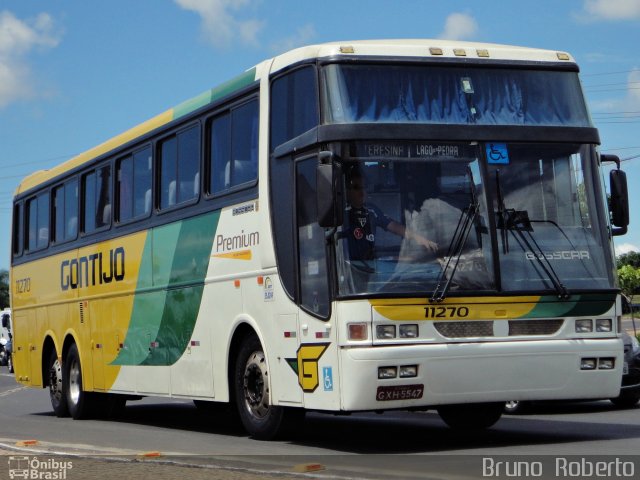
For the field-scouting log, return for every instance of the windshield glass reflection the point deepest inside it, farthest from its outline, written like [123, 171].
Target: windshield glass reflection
[401, 218]
[416, 219]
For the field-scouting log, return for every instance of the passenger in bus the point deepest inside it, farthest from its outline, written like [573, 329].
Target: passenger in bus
[362, 218]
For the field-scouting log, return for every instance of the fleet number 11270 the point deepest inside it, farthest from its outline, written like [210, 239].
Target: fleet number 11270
[446, 312]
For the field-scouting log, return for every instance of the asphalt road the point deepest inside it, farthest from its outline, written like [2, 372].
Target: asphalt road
[178, 438]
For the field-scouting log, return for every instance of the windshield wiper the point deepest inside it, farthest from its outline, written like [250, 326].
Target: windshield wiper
[458, 241]
[518, 221]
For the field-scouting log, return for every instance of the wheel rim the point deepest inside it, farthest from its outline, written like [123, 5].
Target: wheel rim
[255, 385]
[75, 381]
[55, 381]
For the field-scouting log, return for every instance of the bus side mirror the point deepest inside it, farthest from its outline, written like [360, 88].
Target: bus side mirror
[619, 201]
[329, 195]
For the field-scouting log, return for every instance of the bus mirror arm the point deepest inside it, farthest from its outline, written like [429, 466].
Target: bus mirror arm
[329, 194]
[619, 201]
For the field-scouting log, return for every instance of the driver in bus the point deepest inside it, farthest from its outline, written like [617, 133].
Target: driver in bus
[363, 218]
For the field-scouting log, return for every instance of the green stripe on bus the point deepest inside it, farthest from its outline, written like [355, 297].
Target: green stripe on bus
[210, 96]
[185, 287]
[163, 318]
[578, 305]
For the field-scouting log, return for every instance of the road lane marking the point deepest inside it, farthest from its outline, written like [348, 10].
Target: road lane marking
[13, 390]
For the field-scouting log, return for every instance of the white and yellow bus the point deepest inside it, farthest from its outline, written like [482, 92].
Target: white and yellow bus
[355, 226]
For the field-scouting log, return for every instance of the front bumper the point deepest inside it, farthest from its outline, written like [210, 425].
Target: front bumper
[480, 372]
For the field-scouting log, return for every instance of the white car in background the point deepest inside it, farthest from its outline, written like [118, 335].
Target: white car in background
[5, 339]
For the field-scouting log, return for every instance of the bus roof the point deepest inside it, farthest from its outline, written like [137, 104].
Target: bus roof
[421, 48]
[371, 48]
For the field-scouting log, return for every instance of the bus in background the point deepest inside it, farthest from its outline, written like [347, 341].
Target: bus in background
[368, 225]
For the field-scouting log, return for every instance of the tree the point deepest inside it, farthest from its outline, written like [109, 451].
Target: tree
[4, 289]
[629, 279]
[631, 258]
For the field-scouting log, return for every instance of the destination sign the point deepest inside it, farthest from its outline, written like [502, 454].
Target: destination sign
[414, 150]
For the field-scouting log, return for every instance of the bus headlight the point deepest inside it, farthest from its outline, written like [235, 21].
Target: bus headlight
[409, 331]
[385, 332]
[604, 325]
[408, 371]
[387, 372]
[584, 326]
[606, 363]
[588, 363]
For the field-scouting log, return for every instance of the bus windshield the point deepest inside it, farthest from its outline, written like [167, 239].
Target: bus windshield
[417, 214]
[453, 95]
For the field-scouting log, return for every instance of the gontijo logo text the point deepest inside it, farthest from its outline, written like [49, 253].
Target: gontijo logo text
[92, 270]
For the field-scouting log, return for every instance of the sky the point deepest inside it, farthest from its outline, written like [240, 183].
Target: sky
[75, 73]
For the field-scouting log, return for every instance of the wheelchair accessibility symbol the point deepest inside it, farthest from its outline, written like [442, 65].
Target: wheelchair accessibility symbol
[497, 153]
[327, 376]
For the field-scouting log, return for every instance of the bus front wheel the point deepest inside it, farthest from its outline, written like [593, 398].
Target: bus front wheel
[474, 416]
[262, 420]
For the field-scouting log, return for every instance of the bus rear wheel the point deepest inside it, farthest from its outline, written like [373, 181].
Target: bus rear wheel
[56, 390]
[262, 420]
[473, 416]
[79, 402]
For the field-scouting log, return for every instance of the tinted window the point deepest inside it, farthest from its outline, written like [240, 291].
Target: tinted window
[234, 148]
[180, 167]
[134, 185]
[65, 211]
[38, 222]
[97, 199]
[314, 285]
[18, 231]
[294, 105]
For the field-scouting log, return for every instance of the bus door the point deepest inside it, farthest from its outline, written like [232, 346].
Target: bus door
[317, 353]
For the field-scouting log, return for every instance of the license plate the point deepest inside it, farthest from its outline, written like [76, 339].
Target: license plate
[399, 392]
[625, 369]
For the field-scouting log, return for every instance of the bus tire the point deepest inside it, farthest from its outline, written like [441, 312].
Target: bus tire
[56, 386]
[473, 416]
[78, 401]
[10, 363]
[260, 419]
[626, 400]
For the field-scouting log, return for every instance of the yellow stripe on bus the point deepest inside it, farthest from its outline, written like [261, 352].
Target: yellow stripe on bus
[468, 308]
[88, 292]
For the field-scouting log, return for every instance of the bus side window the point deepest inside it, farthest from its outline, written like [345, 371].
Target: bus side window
[234, 148]
[65, 211]
[179, 166]
[294, 105]
[133, 185]
[18, 230]
[38, 222]
[97, 199]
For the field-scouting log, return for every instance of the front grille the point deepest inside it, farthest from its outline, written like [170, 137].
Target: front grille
[534, 327]
[464, 329]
